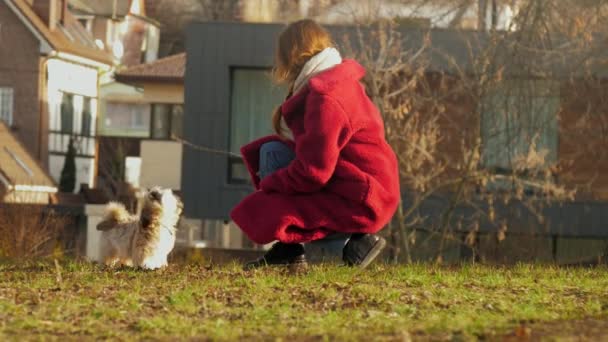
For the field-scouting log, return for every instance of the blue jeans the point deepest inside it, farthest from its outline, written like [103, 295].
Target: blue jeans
[274, 156]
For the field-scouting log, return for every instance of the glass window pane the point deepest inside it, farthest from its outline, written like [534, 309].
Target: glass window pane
[67, 114]
[161, 115]
[177, 119]
[6, 105]
[131, 119]
[87, 117]
[252, 100]
[515, 118]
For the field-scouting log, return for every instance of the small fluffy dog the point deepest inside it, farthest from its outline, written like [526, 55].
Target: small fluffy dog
[142, 241]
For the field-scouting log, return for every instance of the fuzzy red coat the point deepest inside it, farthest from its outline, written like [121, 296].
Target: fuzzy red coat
[344, 177]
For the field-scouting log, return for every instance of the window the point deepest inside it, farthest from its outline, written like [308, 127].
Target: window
[253, 98]
[87, 23]
[519, 119]
[6, 105]
[161, 121]
[177, 119]
[67, 114]
[123, 118]
[166, 120]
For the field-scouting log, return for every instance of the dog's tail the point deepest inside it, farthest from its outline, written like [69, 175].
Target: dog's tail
[115, 214]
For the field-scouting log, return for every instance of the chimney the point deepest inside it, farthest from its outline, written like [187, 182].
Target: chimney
[50, 11]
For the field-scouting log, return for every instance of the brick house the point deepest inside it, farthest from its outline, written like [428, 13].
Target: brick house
[49, 76]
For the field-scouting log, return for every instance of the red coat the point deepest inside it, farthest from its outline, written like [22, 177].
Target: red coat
[344, 177]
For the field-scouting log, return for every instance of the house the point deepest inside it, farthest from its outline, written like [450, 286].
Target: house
[229, 96]
[123, 30]
[49, 76]
[120, 27]
[22, 178]
[146, 125]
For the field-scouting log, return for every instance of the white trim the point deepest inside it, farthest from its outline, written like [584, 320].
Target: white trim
[45, 45]
[28, 188]
[5, 181]
[35, 188]
[82, 60]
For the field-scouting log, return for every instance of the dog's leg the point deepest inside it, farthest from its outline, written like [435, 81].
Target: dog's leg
[153, 263]
[112, 261]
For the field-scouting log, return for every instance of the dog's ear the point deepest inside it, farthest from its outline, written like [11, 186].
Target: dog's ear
[107, 224]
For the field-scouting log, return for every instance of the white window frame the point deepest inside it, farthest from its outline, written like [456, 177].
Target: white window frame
[7, 108]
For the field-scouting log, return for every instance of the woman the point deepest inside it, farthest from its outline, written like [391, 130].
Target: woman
[336, 175]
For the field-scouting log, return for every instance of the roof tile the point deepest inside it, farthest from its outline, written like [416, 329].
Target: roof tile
[168, 69]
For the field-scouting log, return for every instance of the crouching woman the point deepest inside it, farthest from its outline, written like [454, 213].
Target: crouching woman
[336, 174]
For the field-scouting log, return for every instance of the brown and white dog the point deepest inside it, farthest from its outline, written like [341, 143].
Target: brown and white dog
[145, 240]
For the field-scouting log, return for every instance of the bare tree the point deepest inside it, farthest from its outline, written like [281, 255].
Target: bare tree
[29, 231]
[478, 125]
[174, 16]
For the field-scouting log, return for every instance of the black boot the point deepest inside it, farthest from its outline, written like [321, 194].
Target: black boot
[362, 249]
[281, 254]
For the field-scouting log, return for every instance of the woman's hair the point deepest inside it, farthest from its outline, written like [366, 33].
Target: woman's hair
[300, 41]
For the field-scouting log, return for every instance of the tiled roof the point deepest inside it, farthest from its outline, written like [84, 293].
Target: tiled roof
[17, 166]
[168, 69]
[68, 38]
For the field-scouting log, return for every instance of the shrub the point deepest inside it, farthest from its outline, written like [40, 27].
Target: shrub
[29, 231]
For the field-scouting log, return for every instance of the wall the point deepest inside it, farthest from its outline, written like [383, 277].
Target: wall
[94, 214]
[19, 68]
[161, 164]
[212, 50]
[164, 93]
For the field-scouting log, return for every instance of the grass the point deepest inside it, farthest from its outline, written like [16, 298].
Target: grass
[46, 301]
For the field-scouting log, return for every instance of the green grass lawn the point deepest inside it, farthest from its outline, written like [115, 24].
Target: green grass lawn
[41, 301]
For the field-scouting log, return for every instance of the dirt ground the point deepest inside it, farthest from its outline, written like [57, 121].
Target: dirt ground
[589, 329]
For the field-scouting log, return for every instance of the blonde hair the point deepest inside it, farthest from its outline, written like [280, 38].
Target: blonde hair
[300, 41]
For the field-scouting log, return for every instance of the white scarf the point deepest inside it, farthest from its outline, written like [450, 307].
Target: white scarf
[324, 60]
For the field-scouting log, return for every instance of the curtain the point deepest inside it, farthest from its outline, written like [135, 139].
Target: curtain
[253, 97]
[86, 117]
[67, 114]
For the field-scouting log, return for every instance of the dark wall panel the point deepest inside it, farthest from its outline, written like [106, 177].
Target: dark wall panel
[213, 48]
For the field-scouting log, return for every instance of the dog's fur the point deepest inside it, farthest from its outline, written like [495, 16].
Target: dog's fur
[141, 241]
